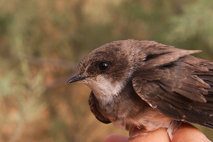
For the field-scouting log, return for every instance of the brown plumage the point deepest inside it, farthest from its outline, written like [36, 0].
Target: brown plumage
[181, 89]
[93, 107]
[147, 85]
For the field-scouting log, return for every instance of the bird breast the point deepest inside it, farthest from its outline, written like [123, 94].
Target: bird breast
[105, 89]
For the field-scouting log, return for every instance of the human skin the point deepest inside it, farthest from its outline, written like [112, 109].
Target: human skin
[185, 133]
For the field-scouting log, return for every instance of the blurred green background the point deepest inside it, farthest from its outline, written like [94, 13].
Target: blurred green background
[41, 42]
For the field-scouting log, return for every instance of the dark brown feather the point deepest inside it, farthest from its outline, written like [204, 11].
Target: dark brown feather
[157, 54]
[182, 90]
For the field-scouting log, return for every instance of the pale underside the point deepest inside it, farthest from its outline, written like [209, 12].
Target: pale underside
[104, 88]
[149, 121]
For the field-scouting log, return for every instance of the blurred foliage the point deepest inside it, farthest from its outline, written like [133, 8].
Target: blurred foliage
[41, 41]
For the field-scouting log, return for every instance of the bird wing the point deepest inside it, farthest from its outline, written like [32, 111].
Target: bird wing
[93, 108]
[182, 89]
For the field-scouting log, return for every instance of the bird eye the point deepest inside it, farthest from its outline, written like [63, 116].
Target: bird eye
[103, 66]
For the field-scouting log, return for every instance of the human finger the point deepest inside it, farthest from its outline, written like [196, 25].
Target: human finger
[188, 133]
[159, 135]
[116, 138]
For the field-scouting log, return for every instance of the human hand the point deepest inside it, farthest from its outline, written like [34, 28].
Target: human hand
[185, 133]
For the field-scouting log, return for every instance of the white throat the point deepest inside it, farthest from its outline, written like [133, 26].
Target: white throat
[104, 88]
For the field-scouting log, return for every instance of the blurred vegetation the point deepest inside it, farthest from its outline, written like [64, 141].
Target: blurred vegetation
[41, 41]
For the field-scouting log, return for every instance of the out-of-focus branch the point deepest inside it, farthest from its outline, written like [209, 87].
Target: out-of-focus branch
[57, 65]
[54, 63]
[59, 82]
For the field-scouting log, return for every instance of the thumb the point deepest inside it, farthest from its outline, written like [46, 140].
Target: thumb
[159, 135]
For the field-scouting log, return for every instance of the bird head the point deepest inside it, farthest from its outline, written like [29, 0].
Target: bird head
[106, 69]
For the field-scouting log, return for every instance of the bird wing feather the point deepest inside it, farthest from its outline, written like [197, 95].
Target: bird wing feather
[182, 89]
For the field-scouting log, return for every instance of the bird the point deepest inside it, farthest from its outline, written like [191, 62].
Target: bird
[146, 85]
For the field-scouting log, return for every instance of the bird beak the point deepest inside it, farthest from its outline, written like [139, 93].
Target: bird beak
[76, 78]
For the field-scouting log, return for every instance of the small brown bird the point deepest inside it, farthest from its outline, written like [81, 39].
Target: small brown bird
[147, 85]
